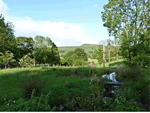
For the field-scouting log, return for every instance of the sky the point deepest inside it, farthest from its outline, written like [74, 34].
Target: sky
[65, 22]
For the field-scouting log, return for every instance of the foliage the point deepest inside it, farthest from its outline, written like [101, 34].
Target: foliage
[33, 104]
[7, 38]
[46, 51]
[27, 61]
[7, 57]
[71, 93]
[72, 58]
[135, 79]
[30, 85]
[121, 104]
[128, 21]
[73, 71]
[80, 62]
[81, 54]
[99, 55]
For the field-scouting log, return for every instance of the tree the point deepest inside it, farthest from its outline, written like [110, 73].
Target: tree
[125, 20]
[74, 58]
[6, 58]
[108, 50]
[81, 54]
[46, 51]
[25, 45]
[94, 56]
[27, 61]
[99, 54]
[7, 38]
[55, 54]
[80, 62]
[68, 57]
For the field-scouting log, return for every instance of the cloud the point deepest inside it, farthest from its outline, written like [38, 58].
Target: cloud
[4, 8]
[87, 40]
[59, 32]
[96, 5]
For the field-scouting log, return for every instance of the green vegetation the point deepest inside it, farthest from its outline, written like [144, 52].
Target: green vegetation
[63, 89]
[79, 88]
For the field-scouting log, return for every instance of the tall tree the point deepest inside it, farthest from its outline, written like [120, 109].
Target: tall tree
[7, 38]
[46, 51]
[25, 45]
[99, 55]
[81, 54]
[126, 19]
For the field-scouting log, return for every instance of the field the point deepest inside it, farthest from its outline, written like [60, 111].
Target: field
[55, 83]
[69, 89]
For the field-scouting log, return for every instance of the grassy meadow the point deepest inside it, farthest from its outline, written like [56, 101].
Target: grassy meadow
[67, 89]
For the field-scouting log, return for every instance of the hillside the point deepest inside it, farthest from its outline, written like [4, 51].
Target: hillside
[87, 48]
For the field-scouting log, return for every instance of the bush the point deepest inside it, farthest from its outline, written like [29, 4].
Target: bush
[92, 70]
[29, 85]
[33, 104]
[27, 61]
[136, 80]
[73, 71]
[121, 104]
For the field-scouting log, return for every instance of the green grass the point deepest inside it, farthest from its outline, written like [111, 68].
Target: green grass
[9, 77]
[63, 83]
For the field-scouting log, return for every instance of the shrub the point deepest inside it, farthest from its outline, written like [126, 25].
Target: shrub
[69, 85]
[93, 102]
[27, 61]
[121, 104]
[73, 71]
[92, 70]
[33, 104]
[29, 85]
[136, 80]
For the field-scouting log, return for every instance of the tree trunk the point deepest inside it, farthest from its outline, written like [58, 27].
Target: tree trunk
[129, 57]
[109, 55]
[103, 54]
[5, 66]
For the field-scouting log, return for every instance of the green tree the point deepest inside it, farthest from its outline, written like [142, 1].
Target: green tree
[81, 54]
[74, 58]
[27, 61]
[99, 54]
[126, 19]
[55, 54]
[80, 62]
[94, 56]
[6, 58]
[7, 38]
[25, 45]
[68, 57]
[46, 51]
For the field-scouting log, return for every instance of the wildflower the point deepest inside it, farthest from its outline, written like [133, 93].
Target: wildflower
[92, 85]
[95, 75]
[90, 82]
[8, 104]
[92, 79]
[14, 102]
[98, 80]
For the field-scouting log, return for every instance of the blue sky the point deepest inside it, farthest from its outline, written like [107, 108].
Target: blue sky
[66, 22]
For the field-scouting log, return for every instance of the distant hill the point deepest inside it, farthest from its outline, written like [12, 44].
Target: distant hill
[88, 48]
